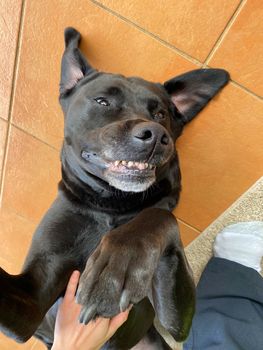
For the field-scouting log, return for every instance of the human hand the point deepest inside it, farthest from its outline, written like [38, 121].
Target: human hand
[72, 335]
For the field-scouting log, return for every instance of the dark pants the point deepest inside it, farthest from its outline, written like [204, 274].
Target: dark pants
[229, 312]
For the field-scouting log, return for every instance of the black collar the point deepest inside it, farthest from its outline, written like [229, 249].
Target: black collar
[109, 199]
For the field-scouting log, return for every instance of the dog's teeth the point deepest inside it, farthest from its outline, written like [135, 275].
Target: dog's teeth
[131, 164]
[141, 166]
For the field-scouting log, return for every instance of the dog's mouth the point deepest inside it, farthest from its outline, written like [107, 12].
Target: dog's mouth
[130, 176]
[131, 167]
[126, 175]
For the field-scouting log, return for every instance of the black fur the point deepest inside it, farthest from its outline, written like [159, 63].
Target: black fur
[112, 222]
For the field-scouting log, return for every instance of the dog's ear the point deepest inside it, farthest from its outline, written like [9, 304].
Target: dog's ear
[74, 65]
[190, 92]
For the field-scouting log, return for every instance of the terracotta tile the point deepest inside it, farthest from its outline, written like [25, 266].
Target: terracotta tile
[9, 23]
[241, 52]
[188, 233]
[189, 26]
[15, 236]
[3, 130]
[221, 155]
[31, 176]
[9, 344]
[110, 44]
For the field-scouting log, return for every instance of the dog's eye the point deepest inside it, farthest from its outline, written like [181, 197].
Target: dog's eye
[102, 101]
[159, 115]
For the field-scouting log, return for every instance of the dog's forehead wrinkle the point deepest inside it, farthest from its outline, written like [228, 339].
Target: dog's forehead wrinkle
[135, 91]
[98, 79]
[106, 85]
[135, 86]
[148, 92]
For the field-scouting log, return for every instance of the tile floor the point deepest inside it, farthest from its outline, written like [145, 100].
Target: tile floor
[221, 151]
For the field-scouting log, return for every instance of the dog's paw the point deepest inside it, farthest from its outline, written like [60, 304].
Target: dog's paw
[118, 273]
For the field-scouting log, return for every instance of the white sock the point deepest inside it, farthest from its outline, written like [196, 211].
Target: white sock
[242, 243]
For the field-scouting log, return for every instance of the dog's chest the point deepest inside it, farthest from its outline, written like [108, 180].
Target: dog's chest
[104, 222]
[94, 226]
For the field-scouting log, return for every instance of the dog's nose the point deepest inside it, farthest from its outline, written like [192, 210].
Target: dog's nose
[150, 133]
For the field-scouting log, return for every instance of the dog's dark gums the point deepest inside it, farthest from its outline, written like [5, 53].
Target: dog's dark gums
[111, 218]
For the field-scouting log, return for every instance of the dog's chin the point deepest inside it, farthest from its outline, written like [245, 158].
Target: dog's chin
[125, 175]
[130, 183]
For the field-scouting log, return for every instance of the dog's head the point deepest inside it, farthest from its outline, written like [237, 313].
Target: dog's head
[122, 130]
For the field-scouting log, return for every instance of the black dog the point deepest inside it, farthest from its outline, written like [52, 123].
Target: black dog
[111, 219]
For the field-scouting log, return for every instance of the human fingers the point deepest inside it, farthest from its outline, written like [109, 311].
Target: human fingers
[117, 321]
[95, 331]
[72, 286]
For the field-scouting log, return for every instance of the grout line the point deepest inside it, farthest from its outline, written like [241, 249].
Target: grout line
[242, 87]
[4, 162]
[163, 42]
[188, 225]
[3, 119]
[15, 69]
[35, 137]
[2, 165]
[16, 61]
[225, 32]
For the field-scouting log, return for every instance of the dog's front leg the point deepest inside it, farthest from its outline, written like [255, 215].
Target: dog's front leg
[120, 271]
[143, 258]
[25, 298]
[14, 302]
[173, 290]
[53, 255]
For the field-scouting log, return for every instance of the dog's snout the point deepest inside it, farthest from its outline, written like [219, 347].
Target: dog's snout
[150, 133]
